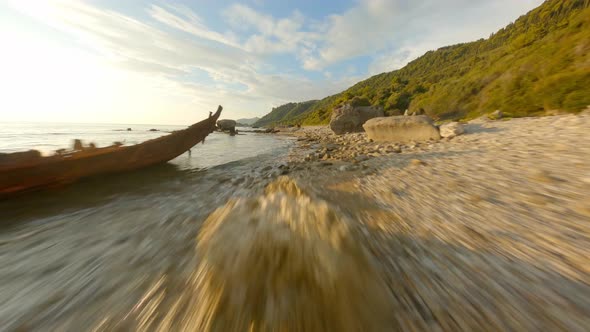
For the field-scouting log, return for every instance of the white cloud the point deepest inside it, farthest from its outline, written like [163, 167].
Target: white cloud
[183, 18]
[160, 60]
[405, 30]
[140, 45]
[388, 61]
[271, 35]
[393, 32]
[361, 30]
[175, 43]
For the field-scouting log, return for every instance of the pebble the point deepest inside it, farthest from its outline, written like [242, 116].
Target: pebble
[417, 162]
[492, 235]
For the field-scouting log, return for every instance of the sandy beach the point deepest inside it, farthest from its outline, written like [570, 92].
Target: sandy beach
[487, 231]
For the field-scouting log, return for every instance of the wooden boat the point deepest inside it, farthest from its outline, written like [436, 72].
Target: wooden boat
[27, 171]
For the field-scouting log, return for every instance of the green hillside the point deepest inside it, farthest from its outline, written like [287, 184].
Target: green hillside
[539, 63]
[284, 114]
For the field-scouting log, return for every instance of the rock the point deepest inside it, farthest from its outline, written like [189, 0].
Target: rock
[401, 129]
[451, 129]
[153, 129]
[393, 149]
[227, 125]
[361, 157]
[496, 115]
[128, 129]
[417, 162]
[331, 147]
[348, 119]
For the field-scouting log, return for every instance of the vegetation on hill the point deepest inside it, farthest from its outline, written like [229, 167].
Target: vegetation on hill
[246, 121]
[284, 114]
[541, 62]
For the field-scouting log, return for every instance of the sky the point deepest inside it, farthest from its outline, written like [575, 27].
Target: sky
[171, 62]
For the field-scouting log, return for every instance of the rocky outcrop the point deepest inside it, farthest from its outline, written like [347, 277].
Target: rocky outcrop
[401, 129]
[227, 125]
[452, 129]
[496, 115]
[350, 119]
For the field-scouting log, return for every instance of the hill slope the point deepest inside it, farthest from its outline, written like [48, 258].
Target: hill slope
[247, 121]
[538, 63]
[284, 114]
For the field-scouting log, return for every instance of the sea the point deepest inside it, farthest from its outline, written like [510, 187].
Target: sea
[72, 256]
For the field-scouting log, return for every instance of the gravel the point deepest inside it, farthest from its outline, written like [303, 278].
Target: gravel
[487, 231]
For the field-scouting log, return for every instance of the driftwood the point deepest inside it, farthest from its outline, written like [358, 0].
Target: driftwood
[26, 171]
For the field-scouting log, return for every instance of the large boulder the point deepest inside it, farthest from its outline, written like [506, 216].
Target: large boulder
[227, 125]
[401, 129]
[349, 119]
[451, 129]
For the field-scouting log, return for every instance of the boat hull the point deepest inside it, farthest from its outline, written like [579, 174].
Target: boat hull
[45, 172]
